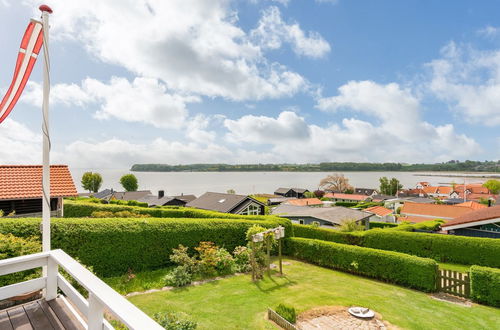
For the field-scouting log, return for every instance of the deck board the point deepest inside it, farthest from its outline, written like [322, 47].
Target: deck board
[39, 315]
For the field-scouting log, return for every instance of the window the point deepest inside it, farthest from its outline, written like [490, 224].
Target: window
[252, 209]
[301, 221]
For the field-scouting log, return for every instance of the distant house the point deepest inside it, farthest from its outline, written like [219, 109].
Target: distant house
[418, 212]
[186, 198]
[397, 202]
[129, 195]
[105, 194]
[422, 184]
[228, 203]
[278, 200]
[21, 189]
[484, 222]
[291, 192]
[162, 200]
[381, 213]
[326, 216]
[381, 198]
[365, 191]
[340, 197]
[304, 202]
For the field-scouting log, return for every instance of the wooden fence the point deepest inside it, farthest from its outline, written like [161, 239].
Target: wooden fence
[279, 320]
[455, 283]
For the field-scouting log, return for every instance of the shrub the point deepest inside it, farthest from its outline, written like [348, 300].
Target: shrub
[379, 224]
[287, 312]
[102, 214]
[112, 246]
[350, 225]
[346, 204]
[225, 263]
[12, 246]
[485, 285]
[181, 257]
[174, 321]
[403, 269]
[242, 259]
[431, 225]
[326, 234]
[179, 276]
[444, 248]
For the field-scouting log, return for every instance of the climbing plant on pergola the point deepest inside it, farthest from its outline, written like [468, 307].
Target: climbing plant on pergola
[266, 237]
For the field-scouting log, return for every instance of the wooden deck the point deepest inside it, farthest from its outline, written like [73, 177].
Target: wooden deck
[39, 314]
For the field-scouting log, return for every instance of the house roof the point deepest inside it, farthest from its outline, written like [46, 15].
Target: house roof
[220, 202]
[430, 190]
[186, 198]
[437, 211]
[304, 201]
[347, 196]
[364, 191]
[380, 197]
[379, 210]
[25, 182]
[444, 190]
[282, 190]
[473, 205]
[103, 193]
[131, 195]
[153, 200]
[472, 218]
[334, 215]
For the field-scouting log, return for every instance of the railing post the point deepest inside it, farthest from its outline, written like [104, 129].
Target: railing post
[51, 286]
[96, 313]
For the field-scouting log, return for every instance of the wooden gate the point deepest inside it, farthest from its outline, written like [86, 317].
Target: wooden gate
[455, 283]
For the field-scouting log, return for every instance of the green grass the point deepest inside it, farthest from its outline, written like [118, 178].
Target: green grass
[141, 282]
[455, 267]
[237, 303]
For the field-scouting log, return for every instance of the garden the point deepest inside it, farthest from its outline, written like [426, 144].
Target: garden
[195, 265]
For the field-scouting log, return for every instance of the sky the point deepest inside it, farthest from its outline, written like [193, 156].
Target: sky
[258, 81]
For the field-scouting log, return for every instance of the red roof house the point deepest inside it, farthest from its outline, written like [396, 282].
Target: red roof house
[21, 188]
[418, 212]
[484, 222]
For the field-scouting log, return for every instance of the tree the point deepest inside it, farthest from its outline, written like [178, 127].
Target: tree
[389, 187]
[129, 182]
[231, 191]
[309, 194]
[319, 193]
[91, 181]
[335, 182]
[493, 186]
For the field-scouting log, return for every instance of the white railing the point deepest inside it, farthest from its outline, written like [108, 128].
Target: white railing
[101, 296]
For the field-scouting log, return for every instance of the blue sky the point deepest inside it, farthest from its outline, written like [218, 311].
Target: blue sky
[259, 81]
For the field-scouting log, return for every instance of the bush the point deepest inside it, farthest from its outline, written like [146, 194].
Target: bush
[174, 321]
[403, 269]
[326, 234]
[242, 259]
[485, 285]
[287, 312]
[350, 225]
[444, 248]
[431, 225]
[346, 204]
[112, 246]
[12, 246]
[179, 276]
[379, 224]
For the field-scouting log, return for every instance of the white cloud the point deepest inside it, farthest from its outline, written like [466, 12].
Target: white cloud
[142, 100]
[334, 2]
[19, 144]
[489, 31]
[193, 46]
[272, 32]
[469, 80]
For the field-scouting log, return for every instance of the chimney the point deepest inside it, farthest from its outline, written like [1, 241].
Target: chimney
[489, 202]
[161, 193]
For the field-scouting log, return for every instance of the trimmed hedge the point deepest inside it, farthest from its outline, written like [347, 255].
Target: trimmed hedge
[112, 246]
[399, 268]
[485, 285]
[74, 209]
[444, 248]
[380, 224]
[325, 234]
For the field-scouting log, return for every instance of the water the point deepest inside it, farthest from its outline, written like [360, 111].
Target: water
[197, 183]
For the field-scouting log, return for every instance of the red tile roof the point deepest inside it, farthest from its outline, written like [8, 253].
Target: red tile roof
[430, 190]
[479, 215]
[473, 205]
[379, 210]
[435, 211]
[25, 182]
[347, 196]
[304, 202]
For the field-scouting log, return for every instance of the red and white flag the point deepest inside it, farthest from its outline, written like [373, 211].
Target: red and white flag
[28, 53]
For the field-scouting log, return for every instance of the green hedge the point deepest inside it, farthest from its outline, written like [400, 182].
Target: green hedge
[346, 204]
[74, 209]
[403, 269]
[379, 224]
[444, 248]
[112, 246]
[325, 234]
[485, 285]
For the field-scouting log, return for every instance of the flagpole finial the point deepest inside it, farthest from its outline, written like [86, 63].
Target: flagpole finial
[45, 8]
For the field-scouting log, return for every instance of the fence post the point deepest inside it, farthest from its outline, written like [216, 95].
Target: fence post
[51, 286]
[96, 313]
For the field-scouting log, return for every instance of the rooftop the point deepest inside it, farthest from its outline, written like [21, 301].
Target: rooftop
[25, 182]
[379, 210]
[304, 202]
[434, 210]
[476, 216]
[334, 215]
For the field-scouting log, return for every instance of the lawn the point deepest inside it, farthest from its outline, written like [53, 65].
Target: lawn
[237, 303]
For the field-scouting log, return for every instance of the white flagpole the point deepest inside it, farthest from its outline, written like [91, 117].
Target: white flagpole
[45, 130]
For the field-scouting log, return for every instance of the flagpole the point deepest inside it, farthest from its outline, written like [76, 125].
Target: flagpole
[45, 130]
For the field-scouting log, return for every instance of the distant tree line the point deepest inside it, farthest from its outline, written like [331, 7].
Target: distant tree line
[453, 166]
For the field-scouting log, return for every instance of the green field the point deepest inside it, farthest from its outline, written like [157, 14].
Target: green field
[237, 303]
